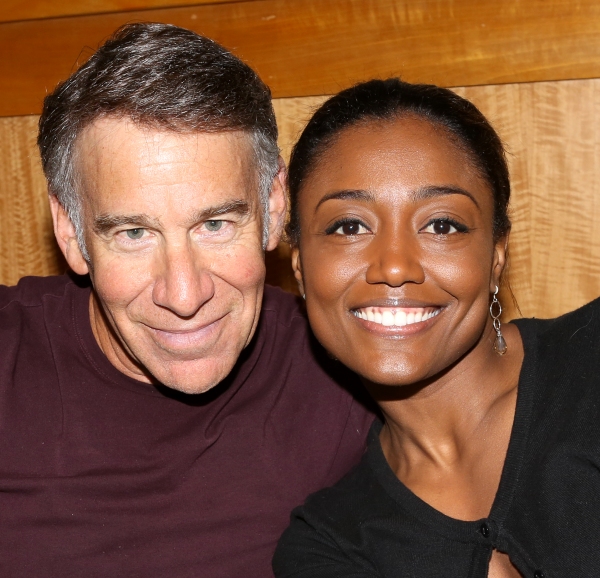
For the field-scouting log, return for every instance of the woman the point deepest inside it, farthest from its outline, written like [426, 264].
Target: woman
[487, 460]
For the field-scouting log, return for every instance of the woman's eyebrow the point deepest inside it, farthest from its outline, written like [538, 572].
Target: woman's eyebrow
[436, 191]
[348, 194]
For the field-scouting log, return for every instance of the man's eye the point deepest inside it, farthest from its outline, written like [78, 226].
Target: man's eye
[347, 228]
[135, 233]
[444, 227]
[214, 225]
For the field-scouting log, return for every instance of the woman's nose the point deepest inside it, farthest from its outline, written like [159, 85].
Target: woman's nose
[184, 283]
[394, 259]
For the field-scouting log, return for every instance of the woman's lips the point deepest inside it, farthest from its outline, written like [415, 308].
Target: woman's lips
[396, 316]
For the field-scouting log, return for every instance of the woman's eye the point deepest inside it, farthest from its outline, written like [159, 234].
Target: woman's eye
[214, 225]
[444, 227]
[347, 228]
[135, 234]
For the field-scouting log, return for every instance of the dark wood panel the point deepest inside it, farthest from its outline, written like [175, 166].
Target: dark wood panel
[12, 10]
[311, 47]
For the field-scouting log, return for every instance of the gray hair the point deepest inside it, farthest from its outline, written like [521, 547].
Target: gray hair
[162, 77]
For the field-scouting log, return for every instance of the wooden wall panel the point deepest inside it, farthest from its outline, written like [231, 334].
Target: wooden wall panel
[292, 114]
[449, 42]
[12, 10]
[27, 245]
[553, 136]
[553, 142]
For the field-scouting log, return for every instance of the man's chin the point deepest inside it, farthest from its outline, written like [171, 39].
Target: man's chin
[189, 377]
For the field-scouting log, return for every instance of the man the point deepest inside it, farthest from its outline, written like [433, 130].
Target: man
[157, 422]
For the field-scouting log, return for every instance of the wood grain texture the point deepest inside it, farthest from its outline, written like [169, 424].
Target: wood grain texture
[292, 115]
[311, 47]
[27, 245]
[553, 138]
[12, 10]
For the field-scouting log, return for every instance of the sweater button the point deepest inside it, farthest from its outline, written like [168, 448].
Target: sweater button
[484, 530]
[538, 574]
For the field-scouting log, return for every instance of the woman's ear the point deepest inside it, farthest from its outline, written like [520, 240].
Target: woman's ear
[66, 237]
[297, 267]
[499, 261]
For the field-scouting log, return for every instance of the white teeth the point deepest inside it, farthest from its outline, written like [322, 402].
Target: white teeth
[387, 319]
[390, 316]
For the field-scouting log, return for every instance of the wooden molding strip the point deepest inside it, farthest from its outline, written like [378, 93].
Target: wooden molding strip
[312, 47]
[13, 10]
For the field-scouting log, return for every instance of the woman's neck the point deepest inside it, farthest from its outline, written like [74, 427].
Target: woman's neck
[447, 439]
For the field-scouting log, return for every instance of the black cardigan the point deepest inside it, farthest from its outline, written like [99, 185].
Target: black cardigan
[546, 514]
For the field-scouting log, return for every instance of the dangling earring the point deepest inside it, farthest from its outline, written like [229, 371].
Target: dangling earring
[500, 346]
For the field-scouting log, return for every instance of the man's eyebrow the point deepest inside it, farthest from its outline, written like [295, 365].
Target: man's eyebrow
[347, 194]
[105, 223]
[238, 207]
[438, 191]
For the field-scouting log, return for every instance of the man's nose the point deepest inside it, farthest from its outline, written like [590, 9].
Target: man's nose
[394, 259]
[184, 283]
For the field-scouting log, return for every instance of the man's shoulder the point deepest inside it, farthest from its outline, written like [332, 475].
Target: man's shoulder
[284, 307]
[31, 291]
[291, 360]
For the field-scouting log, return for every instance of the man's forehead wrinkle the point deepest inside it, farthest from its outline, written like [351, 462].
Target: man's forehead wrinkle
[102, 145]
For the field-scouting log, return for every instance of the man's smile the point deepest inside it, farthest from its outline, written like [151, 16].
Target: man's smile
[181, 339]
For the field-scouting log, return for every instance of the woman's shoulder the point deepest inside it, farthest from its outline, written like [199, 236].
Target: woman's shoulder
[345, 501]
[561, 368]
[331, 528]
[573, 330]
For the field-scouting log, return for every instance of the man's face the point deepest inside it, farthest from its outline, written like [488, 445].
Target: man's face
[173, 226]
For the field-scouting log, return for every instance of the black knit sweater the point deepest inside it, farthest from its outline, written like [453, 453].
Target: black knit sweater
[546, 514]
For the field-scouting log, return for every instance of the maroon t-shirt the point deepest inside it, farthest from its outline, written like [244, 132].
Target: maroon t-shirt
[102, 475]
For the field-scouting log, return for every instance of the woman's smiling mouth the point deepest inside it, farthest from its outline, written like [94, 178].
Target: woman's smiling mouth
[396, 316]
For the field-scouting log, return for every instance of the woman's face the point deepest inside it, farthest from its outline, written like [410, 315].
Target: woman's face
[396, 254]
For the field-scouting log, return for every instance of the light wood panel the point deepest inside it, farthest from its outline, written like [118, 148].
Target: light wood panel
[11, 10]
[292, 115]
[311, 47]
[27, 245]
[552, 131]
[553, 136]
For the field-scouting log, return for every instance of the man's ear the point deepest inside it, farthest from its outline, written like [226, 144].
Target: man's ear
[277, 207]
[499, 261]
[297, 267]
[64, 231]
